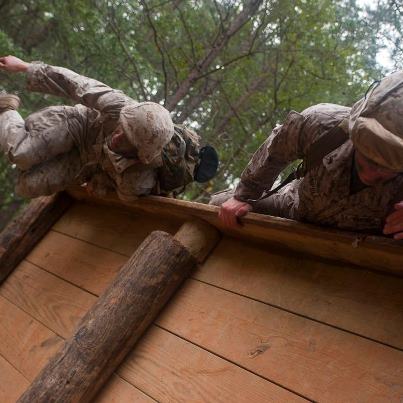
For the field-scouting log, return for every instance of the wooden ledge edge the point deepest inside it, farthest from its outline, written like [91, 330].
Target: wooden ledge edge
[369, 251]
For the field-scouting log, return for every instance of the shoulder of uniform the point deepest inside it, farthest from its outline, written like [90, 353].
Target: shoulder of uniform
[326, 109]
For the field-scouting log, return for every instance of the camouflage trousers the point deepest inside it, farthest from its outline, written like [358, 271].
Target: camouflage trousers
[42, 149]
[284, 203]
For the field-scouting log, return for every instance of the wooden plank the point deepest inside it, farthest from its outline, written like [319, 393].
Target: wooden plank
[47, 298]
[85, 265]
[112, 228]
[360, 301]
[198, 357]
[368, 303]
[58, 304]
[117, 320]
[376, 252]
[117, 390]
[173, 370]
[21, 234]
[24, 342]
[318, 361]
[12, 383]
[29, 345]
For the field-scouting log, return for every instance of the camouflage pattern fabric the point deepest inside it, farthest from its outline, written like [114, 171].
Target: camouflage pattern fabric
[283, 203]
[64, 145]
[179, 159]
[323, 196]
[148, 126]
[376, 122]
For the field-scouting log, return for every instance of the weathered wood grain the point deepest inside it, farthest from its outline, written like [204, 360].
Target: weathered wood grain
[113, 228]
[373, 383]
[320, 362]
[85, 265]
[55, 303]
[24, 342]
[117, 390]
[160, 356]
[12, 383]
[21, 234]
[28, 345]
[110, 329]
[173, 370]
[360, 301]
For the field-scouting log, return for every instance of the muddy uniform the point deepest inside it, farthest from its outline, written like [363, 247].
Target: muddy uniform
[63, 145]
[325, 195]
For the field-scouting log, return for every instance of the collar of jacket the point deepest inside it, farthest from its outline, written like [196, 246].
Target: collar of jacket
[120, 163]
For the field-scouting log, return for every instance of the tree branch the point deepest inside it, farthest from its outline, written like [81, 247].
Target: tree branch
[157, 44]
[196, 100]
[188, 33]
[221, 41]
[226, 64]
[243, 99]
[115, 29]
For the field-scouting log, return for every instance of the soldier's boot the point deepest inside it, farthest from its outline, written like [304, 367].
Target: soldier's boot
[8, 102]
[12, 125]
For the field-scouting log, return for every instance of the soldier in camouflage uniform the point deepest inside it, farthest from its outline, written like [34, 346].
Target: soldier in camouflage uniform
[107, 140]
[353, 187]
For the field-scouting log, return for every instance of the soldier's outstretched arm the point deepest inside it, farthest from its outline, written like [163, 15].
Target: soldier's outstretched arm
[65, 83]
[13, 64]
[282, 147]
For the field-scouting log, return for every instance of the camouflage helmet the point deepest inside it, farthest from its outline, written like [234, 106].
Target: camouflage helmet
[148, 126]
[376, 123]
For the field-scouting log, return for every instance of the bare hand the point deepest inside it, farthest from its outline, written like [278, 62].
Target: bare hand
[13, 64]
[231, 210]
[394, 222]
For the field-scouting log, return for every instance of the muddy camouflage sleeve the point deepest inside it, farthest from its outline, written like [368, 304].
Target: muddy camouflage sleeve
[65, 83]
[283, 146]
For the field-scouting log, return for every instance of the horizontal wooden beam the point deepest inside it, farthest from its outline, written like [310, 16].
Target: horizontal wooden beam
[373, 252]
[22, 233]
[121, 315]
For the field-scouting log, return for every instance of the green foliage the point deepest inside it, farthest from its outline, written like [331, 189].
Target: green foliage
[287, 55]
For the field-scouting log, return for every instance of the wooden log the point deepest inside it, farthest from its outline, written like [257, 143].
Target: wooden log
[373, 252]
[198, 237]
[120, 316]
[22, 233]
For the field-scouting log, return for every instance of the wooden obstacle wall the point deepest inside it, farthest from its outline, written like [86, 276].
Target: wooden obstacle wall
[251, 324]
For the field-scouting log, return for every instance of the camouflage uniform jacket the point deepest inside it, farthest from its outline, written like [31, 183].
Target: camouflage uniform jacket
[324, 195]
[94, 119]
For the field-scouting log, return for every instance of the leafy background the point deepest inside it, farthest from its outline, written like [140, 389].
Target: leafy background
[230, 69]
